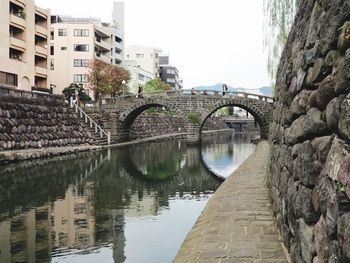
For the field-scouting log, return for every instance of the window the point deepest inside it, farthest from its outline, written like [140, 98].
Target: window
[81, 62]
[139, 55]
[80, 78]
[52, 64]
[141, 77]
[63, 48]
[15, 54]
[168, 80]
[52, 50]
[81, 47]
[62, 32]
[52, 36]
[170, 71]
[127, 55]
[8, 79]
[81, 32]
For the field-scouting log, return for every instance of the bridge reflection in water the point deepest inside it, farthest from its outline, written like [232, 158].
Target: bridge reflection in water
[112, 206]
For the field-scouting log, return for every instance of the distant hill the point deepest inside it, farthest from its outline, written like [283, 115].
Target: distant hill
[267, 91]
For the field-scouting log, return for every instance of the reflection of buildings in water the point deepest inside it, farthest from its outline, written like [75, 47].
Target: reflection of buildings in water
[73, 219]
[31, 236]
[26, 237]
[147, 206]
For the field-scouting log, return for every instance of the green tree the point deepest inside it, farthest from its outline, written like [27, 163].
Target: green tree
[72, 89]
[279, 16]
[156, 85]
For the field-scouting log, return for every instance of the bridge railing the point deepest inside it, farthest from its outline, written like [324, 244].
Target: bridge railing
[194, 92]
[89, 120]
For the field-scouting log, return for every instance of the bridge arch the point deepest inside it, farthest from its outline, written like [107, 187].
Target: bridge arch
[250, 105]
[128, 116]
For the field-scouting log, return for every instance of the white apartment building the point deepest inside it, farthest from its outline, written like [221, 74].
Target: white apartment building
[138, 76]
[75, 42]
[24, 51]
[145, 57]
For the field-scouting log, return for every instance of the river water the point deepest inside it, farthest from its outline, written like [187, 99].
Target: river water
[134, 204]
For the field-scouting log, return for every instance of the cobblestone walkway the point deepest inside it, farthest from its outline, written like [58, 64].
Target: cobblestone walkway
[237, 224]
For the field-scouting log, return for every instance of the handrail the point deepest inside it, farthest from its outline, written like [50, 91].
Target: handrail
[199, 92]
[87, 118]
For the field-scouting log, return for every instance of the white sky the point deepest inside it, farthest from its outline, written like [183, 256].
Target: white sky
[209, 41]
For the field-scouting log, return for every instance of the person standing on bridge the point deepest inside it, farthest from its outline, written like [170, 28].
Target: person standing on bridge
[224, 89]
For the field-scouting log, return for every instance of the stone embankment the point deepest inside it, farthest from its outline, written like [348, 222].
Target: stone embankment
[34, 121]
[310, 135]
[237, 224]
[155, 124]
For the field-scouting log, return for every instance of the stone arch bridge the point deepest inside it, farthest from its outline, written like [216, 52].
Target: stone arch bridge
[194, 107]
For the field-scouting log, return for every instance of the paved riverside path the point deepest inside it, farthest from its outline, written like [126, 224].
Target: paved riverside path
[237, 224]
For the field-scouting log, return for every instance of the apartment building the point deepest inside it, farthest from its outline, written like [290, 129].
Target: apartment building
[75, 42]
[138, 76]
[146, 58]
[24, 52]
[168, 73]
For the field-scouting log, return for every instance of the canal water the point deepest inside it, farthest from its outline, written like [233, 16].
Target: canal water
[133, 204]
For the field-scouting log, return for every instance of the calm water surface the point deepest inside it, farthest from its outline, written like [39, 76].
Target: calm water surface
[125, 205]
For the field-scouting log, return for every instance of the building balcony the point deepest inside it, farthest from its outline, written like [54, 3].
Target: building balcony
[40, 71]
[41, 51]
[17, 44]
[103, 58]
[41, 12]
[103, 45]
[20, 3]
[118, 45]
[119, 57]
[17, 21]
[41, 31]
[102, 31]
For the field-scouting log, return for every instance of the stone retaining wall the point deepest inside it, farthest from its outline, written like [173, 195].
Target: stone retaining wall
[154, 124]
[29, 120]
[310, 135]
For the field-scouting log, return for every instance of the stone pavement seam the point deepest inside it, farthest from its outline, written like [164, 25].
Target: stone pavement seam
[237, 224]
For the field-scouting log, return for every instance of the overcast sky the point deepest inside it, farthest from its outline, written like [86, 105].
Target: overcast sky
[209, 41]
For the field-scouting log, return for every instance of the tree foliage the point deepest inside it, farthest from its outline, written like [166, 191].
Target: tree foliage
[156, 85]
[106, 79]
[73, 89]
[279, 16]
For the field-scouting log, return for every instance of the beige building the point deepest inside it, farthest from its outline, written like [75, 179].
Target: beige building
[24, 49]
[145, 57]
[75, 42]
[138, 76]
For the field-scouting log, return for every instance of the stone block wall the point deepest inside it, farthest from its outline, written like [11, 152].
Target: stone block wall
[154, 124]
[30, 120]
[310, 135]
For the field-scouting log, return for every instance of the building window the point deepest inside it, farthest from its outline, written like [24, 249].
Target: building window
[169, 80]
[81, 62]
[80, 78]
[63, 48]
[15, 54]
[52, 50]
[171, 71]
[8, 79]
[141, 77]
[127, 56]
[52, 64]
[139, 55]
[81, 32]
[81, 48]
[52, 35]
[62, 32]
